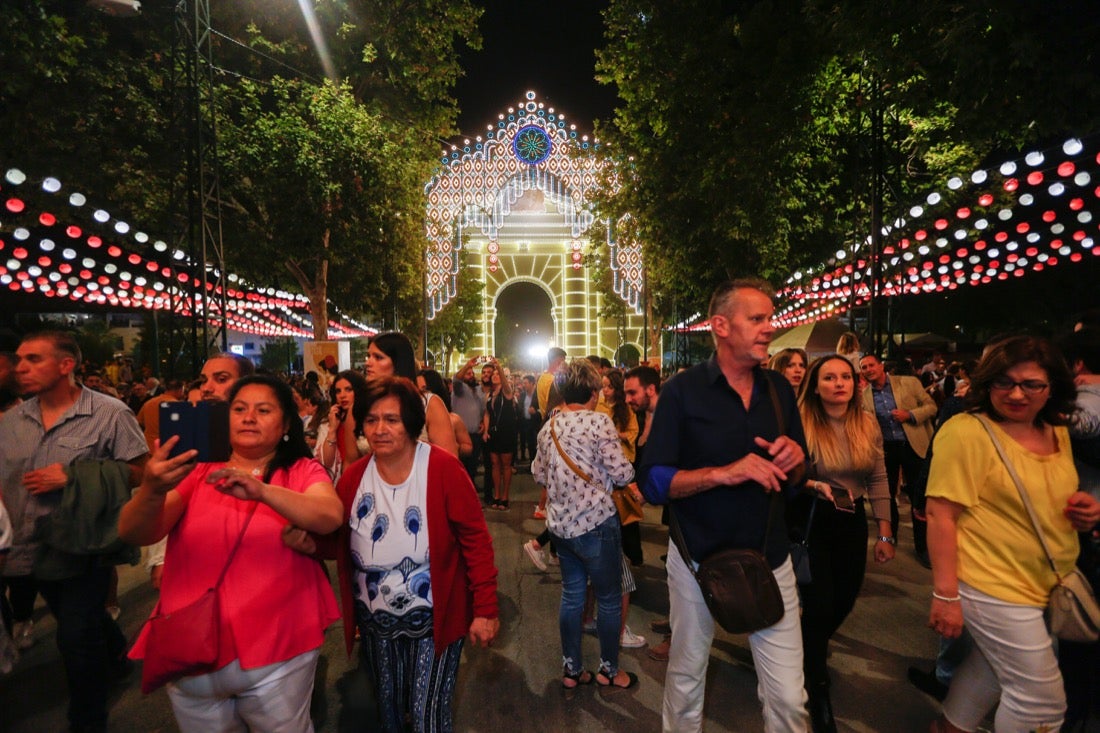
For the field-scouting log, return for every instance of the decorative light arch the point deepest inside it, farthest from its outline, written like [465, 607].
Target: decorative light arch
[530, 147]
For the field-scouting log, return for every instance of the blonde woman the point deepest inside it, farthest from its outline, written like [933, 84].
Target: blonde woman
[845, 447]
[848, 347]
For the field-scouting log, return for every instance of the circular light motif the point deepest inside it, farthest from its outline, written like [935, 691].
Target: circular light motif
[531, 145]
[1072, 146]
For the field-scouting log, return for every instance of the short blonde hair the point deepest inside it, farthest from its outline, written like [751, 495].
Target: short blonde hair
[581, 380]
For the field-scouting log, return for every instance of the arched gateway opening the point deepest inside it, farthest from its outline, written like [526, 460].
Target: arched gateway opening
[515, 205]
[524, 326]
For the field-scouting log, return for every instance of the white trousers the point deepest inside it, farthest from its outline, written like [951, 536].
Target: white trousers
[776, 653]
[1012, 662]
[272, 699]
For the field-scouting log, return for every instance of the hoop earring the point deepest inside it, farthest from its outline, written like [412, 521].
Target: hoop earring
[286, 437]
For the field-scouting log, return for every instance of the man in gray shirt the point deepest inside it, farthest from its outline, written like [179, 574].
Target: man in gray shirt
[61, 424]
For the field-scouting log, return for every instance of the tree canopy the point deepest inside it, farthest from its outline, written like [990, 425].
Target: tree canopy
[745, 130]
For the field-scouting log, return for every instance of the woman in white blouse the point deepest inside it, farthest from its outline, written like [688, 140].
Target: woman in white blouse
[579, 461]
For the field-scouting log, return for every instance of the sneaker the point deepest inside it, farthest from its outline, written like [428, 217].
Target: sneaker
[23, 634]
[535, 553]
[539, 514]
[554, 559]
[630, 640]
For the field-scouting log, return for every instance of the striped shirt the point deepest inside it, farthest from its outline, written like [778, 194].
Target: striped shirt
[95, 427]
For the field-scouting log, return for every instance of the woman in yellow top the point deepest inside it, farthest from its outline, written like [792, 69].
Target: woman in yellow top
[988, 567]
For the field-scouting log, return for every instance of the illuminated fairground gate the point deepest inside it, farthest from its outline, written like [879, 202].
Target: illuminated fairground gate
[514, 206]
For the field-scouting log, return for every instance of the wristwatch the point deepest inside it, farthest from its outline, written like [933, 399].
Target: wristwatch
[889, 540]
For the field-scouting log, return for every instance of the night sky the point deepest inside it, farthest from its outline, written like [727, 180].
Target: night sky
[546, 48]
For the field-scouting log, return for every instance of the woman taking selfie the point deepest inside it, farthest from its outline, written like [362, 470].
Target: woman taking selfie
[989, 569]
[845, 449]
[274, 603]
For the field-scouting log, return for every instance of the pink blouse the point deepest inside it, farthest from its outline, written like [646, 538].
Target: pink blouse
[275, 602]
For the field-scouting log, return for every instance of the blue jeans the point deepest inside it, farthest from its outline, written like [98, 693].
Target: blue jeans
[593, 556]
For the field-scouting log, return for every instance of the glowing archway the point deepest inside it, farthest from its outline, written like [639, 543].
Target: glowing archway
[518, 199]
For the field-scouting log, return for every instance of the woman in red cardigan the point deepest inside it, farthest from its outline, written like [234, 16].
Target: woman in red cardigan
[415, 561]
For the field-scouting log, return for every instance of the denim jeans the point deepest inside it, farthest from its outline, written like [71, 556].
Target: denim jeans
[593, 556]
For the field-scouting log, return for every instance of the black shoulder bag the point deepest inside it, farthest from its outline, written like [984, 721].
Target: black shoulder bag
[738, 585]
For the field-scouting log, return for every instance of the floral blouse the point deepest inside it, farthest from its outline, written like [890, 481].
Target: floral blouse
[575, 506]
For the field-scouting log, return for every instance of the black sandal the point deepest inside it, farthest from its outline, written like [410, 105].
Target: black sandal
[578, 679]
[609, 682]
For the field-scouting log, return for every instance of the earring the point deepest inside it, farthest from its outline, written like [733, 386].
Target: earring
[286, 437]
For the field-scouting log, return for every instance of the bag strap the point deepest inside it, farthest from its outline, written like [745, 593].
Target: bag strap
[568, 461]
[1023, 493]
[236, 545]
[677, 534]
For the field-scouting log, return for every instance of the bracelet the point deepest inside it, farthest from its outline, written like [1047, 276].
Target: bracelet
[888, 540]
[331, 442]
[945, 599]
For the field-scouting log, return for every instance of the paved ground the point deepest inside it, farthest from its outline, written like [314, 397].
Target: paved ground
[514, 686]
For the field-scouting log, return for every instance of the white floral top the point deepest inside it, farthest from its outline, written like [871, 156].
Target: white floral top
[575, 506]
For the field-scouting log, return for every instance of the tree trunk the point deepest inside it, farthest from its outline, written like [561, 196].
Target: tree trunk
[316, 290]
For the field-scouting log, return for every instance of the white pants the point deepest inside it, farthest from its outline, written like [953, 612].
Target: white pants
[776, 653]
[271, 699]
[1012, 662]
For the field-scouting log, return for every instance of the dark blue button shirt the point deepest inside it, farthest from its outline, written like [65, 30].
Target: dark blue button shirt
[702, 422]
[892, 432]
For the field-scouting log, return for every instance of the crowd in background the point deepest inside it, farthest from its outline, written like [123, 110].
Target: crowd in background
[869, 431]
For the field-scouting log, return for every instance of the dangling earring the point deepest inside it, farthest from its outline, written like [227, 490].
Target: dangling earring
[286, 437]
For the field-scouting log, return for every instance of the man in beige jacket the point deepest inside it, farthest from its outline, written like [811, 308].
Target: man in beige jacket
[905, 413]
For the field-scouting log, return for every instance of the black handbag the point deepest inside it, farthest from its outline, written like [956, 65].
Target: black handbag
[800, 551]
[738, 585]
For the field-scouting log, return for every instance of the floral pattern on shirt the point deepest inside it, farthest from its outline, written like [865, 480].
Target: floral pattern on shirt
[575, 506]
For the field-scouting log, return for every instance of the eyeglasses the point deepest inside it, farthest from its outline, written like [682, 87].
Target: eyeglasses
[1029, 386]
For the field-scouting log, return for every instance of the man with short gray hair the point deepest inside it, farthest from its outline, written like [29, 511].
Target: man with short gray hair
[725, 437]
[63, 423]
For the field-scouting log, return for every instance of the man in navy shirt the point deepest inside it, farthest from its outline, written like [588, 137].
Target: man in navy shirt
[717, 453]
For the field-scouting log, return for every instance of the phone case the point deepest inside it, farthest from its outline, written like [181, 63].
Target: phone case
[203, 427]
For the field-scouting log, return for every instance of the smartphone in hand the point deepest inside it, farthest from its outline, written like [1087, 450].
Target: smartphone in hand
[203, 427]
[842, 498]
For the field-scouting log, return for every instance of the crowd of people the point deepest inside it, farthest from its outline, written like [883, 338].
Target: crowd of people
[379, 473]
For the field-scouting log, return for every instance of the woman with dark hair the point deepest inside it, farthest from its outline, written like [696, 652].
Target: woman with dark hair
[791, 363]
[989, 569]
[579, 460]
[391, 355]
[845, 448]
[415, 562]
[429, 380]
[626, 423]
[341, 442]
[499, 430]
[275, 604]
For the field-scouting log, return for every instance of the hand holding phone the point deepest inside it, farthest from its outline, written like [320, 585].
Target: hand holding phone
[842, 499]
